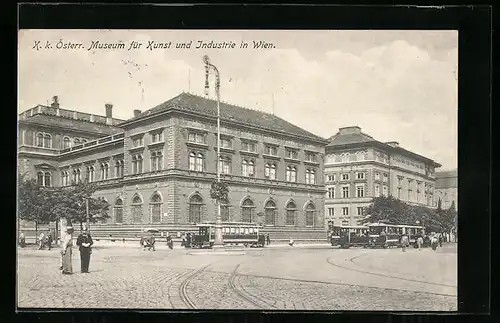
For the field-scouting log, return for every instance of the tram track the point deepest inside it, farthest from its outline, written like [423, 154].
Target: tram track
[351, 260]
[244, 294]
[180, 283]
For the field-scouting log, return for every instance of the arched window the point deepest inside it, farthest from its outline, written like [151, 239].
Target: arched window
[291, 210]
[310, 214]
[76, 175]
[40, 178]
[270, 212]
[104, 171]
[155, 205]
[199, 162]
[137, 209]
[248, 168]
[90, 173]
[119, 168]
[76, 141]
[291, 174]
[310, 176]
[47, 141]
[66, 142]
[345, 157]
[137, 164]
[192, 161]
[118, 210]
[224, 211]
[270, 171]
[48, 179]
[247, 211]
[225, 164]
[39, 140]
[195, 207]
[84, 141]
[64, 179]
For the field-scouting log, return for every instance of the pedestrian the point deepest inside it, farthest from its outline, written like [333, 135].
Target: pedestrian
[420, 242]
[22, 240]
[152, 242]
[434, 242]
[67, 252]
[41, 241]
[49, 240]
[183, 241]
[84, 242]
[291, 242]
[404, 242]
[268, 239]
[440, 240]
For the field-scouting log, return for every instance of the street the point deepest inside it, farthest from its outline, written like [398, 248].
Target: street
[276, 277]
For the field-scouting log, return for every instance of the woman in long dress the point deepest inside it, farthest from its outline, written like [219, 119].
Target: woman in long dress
[67, 251]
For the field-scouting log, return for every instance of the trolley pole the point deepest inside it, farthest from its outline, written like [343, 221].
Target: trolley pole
[218, 241]
[88, 213]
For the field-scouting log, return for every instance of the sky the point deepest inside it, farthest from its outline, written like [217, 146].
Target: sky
[396, 85]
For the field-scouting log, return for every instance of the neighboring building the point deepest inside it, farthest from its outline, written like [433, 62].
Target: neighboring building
[447, 188]
[358, 168]
[156, 168]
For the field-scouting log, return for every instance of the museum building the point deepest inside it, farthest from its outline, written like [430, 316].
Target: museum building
[156, 168]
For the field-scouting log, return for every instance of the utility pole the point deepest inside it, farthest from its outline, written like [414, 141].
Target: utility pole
[88, 214]
[218, 242]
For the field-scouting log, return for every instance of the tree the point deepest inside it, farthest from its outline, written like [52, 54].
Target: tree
[439, 209]
[72, 204]
[387, 209]
[219, 191]
[35, 202]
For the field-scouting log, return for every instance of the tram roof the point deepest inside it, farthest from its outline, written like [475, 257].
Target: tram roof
[354, 226]
[229, 224]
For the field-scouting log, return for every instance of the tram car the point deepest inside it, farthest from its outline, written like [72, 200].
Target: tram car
[413, 232]
[382, 235]
[246, 234]
[333, 234]
[354, 236]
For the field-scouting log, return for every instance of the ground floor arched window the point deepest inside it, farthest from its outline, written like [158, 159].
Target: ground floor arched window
[137, 209]
[155, 205]
[291, 210]
[310, 214]
[118, 211]
[270, 213]
[247, 211]
[195, 208]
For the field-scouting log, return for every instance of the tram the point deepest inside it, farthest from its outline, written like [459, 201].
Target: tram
[384, 235]
[348, 236]
[413, 232]
[244, 233]
[333, 234]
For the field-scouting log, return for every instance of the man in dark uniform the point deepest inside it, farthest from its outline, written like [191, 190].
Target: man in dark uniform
[84, 242]
[49, 240]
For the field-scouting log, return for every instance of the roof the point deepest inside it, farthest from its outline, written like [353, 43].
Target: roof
[197, 104]
[77, 125]
[353, 136]
[446, 179]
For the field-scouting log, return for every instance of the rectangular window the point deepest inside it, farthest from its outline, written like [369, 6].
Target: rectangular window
[361, 175]
[345, 211]
[360, 191]
[331, 192]
[385, 190]
[196, 137]
[225, 143]
[386, 178]
[157, 136]
[345, 192]
[377, 190]
[138, 142]
[271, 150]
[330, 178]
[399, 192]
[311, 157]
[345, 177]
[248, 146]
[290, 153]
[377, 176]
[360, 210]
[331, 211]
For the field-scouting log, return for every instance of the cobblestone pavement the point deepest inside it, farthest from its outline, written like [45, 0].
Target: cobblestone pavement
[270, 278]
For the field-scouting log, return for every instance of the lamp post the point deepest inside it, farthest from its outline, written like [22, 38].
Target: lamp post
[218, 242]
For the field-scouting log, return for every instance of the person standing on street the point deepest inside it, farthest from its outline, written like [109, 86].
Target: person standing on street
[420, 242]
[41, 241]
[404, 242]
[84, 242]
[22, 240]
[67, 252]
[268, 239]
[49, 240]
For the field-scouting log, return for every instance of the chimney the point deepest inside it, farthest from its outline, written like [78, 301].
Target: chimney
[349, 130]
[137, 112]
[55, 102]
[393, 143]
[109, 113]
